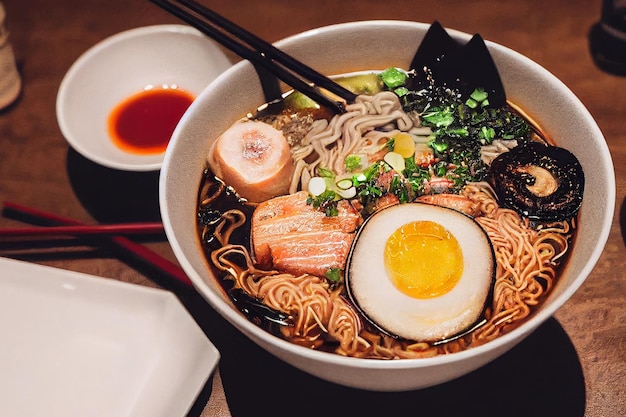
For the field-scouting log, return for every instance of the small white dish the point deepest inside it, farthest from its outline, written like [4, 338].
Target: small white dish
[121, 66]
[75, 345]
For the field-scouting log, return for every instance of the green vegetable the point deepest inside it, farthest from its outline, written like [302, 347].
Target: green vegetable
[334, 275]
[472, 104]
[300, 101]
[479, 95]
[369, 83]
[368, 189]
[358, 179]
[415, 176]
[461, 125]
[372, 171]
[326, 202]
[393, 77]
[352, 162]
[325, 173]
[439, 117]
[401, 91]
[401, 189]
[344, 184]
[478, 98]
[439, 147]
[487, 133]
[390, 145]
[440, 169]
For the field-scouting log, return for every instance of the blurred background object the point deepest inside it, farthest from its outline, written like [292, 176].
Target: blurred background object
[607, 38]
[10, 81]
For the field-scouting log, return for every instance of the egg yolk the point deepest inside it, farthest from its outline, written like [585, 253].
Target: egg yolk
[423, 259]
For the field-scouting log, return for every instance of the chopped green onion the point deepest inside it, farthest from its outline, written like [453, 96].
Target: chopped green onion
[440, 169]
[471, 103]
[439, 147]
[479, 95]
[325, 202]
[333, 275]
[352, 162]
[325, 172]
[401, 91]
[461, 131]
[371, 171]
[344, 184]
[317, 185]
[439, 118]
[393, 77]
[487, 133]
[347, 193]
[359, 178]
[391, 144]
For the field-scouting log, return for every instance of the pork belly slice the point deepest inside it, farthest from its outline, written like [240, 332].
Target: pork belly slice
[292, 236]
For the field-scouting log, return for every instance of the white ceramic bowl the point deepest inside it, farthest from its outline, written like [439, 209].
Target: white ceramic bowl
[123, 65]
[377, 45]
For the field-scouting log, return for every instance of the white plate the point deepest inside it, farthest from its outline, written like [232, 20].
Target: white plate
[78, 345]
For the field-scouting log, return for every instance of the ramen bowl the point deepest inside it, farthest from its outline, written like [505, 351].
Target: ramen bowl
[350, 47]
[125, 65]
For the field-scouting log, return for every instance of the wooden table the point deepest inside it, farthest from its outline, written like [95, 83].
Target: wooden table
[573, 365]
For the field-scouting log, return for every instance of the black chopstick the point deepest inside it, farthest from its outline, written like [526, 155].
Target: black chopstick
[259, 52]
[271, 51]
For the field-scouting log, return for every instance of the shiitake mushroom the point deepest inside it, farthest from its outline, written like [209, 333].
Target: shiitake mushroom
[539, 181]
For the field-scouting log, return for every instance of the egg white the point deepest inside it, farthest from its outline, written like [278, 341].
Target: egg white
[398, 314]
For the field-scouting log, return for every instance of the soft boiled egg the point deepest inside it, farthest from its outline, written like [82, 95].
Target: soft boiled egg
[421, 272]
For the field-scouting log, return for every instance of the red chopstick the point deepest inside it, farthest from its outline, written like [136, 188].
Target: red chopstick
[101, 229]
[122, 242]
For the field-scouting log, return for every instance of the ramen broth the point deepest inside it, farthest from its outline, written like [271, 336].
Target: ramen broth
[328, 318]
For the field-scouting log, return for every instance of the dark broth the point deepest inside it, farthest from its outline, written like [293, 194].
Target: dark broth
[216, 198]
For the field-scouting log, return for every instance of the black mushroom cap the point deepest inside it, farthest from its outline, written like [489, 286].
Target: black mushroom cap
[541, 182]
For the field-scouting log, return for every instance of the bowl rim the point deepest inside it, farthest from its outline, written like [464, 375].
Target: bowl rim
[508, 339]
[141, 163]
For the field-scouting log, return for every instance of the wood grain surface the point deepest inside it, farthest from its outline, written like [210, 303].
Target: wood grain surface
[574, 365]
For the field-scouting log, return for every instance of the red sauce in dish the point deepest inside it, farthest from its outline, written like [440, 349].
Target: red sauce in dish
[143, 123]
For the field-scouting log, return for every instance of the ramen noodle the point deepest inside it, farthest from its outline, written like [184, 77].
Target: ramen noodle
[318, 310]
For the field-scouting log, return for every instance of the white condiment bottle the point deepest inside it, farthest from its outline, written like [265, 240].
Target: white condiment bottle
[10, 80]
